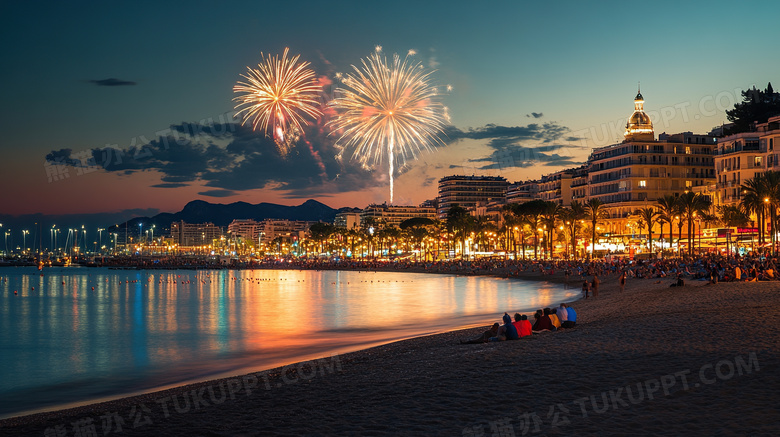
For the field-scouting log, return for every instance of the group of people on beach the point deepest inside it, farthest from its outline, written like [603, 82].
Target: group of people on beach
[563, 317]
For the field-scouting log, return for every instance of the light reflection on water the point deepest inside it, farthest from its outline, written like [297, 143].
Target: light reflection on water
[65, 342]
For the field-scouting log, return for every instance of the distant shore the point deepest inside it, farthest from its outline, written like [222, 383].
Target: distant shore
[703, 358]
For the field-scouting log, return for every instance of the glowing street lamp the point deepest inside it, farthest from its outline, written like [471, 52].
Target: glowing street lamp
[25, 232]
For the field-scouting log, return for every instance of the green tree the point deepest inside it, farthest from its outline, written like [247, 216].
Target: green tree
[692, 204]
[649, 216]
[459, 223]
[756, 105]
[572, 218]
[596, 211]
[668, 210]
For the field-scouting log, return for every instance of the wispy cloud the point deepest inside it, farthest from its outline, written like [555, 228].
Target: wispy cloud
[111, 81]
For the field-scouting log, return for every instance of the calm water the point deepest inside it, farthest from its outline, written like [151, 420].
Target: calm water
[64, 342]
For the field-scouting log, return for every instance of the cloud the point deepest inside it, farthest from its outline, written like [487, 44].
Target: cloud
[535, 115]
[228, 158]
[520, 146]
[218, 193]
[111, 82]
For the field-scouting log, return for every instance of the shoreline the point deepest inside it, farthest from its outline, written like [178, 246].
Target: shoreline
[667, 330]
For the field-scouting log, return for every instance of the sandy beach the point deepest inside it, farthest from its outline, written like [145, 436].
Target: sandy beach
[653, 360]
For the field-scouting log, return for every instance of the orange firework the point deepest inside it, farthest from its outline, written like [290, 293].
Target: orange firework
[280, 94]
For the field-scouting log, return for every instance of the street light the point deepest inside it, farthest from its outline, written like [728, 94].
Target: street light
[24, 241]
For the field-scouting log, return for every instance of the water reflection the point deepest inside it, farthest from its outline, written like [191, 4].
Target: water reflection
[82, 334]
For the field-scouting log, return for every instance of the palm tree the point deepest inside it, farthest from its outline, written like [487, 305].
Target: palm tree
[459, 223]
[480, 225]
[595, 211]
[648, 216]
[771, 183]
[692, 204]
[571, 217]
[667, 207]
[550, 214]
[533, 211]
[752, 202]
[417, 228]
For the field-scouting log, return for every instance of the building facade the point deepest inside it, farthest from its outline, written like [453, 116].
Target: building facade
[194, 234]
[637, 172]
[246, 229]
[466, 191]
[393, 215]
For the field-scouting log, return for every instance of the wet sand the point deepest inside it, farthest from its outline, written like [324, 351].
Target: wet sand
[653, 360]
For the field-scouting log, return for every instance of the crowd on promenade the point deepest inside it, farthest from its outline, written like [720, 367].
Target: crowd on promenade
[707, 267]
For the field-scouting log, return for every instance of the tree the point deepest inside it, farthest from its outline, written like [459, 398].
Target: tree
[756, 105]
[416, 229]
[667, 208]
[753, 201]
[320, 232]
[692, 204]
[595, 211]
[572, 217]
[649, 216]
[550, 214]
[533, 211]
[459, 223]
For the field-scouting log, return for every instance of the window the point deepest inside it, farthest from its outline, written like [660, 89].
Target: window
[688, 184]
[687, 150]
[757, 162]
[643, 184]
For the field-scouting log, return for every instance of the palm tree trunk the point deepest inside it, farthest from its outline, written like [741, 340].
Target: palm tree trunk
[593, 241]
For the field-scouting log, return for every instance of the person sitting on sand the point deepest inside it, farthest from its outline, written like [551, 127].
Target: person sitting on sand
[485, 337]
[542, 322]
[553, 318]
[522, 325]
[571, 322]
[506, 331]
[562, 314]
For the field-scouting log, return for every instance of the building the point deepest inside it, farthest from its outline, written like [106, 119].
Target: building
[521, 192]
[246, 229]
[271, 229]
[579, 184]
[466, 191]
[556, 187]
[392, 215]
[742, 156]
[640, 170]
[192, 234]
[348, 219]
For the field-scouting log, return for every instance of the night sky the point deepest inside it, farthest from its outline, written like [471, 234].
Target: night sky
[535, 87]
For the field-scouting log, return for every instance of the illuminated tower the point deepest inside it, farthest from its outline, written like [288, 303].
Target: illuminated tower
[639, 127]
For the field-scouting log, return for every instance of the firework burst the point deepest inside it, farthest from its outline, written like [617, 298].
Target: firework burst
[387, 109]
[280, 94]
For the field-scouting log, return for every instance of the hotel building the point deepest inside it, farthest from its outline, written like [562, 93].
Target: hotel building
[392, 215]
[466, 191]
[640, 170]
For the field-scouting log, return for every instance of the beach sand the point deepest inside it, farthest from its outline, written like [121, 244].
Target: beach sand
[653, 360]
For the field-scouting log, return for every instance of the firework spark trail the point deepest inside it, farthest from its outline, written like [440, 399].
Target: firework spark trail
[387, 111]
[280, 93]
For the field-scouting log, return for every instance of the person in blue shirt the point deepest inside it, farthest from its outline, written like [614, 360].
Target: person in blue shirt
[572, 319]
[507, 331]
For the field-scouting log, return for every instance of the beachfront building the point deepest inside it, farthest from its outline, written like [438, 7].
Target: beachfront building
[348, 219]
[742, 156]
[556, 187]
[392, 215]
[579, 183]
[245, 229]
[271, 229]
[521, 192]
[637, 172]
[466, 191]
[194, 234]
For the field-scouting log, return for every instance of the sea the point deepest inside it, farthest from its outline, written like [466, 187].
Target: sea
[76, 335]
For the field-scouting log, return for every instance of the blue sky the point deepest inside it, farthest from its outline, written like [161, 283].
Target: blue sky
[574, 64]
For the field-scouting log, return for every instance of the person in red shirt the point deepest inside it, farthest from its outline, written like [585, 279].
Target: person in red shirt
[522, 325]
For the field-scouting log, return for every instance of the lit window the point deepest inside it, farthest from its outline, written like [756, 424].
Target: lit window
[642, 183]
[688, 184]
[687, 150]
[758, 161]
